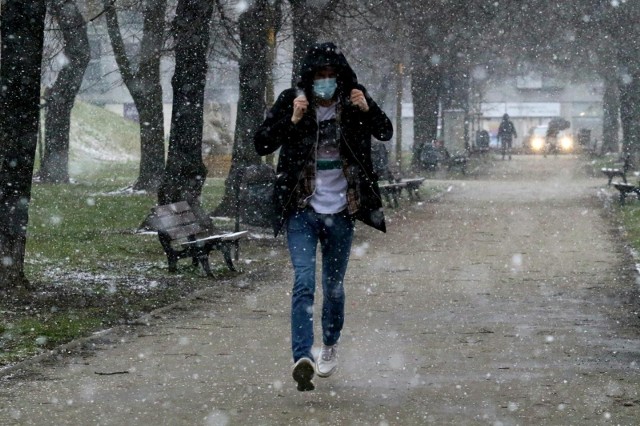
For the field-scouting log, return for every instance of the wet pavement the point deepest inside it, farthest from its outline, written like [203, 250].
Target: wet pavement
[509, 300]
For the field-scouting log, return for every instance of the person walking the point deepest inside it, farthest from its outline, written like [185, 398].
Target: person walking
[506, 134]
[325, 181]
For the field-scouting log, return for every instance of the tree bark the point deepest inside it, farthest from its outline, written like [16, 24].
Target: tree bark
[307, 21]
[253, 68]
[305, 33]
[19, 119]
[145, 88]
[61, 97]
[630, 115]
[610, 115]
[185, 172]
[426, 82]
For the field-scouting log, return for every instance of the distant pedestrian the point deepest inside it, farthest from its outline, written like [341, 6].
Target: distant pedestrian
[506, 135]
[325, 182]
[555, 126]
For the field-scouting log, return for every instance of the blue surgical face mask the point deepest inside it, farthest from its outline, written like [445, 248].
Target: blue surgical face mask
[324, 88]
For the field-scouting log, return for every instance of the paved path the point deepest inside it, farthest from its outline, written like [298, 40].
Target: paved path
[506, 302]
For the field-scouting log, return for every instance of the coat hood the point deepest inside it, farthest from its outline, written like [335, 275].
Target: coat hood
[322, 55]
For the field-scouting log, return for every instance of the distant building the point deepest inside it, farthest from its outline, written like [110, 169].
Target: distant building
[534, 100]
[530, 101]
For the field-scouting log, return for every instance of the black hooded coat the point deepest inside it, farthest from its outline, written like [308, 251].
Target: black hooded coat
[298, 142]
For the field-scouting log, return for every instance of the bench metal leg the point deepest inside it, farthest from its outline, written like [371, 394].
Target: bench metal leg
[173, 263]
[414, 192]
[203, 258]
[387, 198]
[172, 256]
[395, 194]
[226, 253]
[236, 250]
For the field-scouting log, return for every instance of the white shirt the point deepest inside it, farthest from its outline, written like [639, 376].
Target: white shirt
[330, 195]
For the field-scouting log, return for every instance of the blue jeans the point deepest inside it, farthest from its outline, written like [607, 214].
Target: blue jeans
[335, 233]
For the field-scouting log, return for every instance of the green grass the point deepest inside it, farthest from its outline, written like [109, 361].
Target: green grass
[83, 224]
[77, 224]
[49, 331]
[81, 248]
[630, 214]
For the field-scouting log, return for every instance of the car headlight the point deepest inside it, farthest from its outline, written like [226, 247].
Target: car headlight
[566, 143]
[537, 144]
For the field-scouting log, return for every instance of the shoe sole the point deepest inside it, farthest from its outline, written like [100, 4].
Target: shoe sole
[302, 374]
[325, 375]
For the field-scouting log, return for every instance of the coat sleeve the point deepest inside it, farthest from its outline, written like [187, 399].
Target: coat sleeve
[277, 128]
[380, 125]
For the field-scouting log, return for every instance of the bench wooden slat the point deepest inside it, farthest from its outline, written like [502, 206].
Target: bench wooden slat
[626, 188]
[232, 236]
[170, 209]
[392, 185]
[164, 222]
[183, 231]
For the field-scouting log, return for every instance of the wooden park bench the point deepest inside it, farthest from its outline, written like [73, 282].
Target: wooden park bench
[393, 190]
[611, 173]
[412, 186]
[183, 235]
[620, 171]
[391, 183]
[626, 189]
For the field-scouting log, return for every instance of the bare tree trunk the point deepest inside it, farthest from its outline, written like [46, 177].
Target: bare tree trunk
[305, 33]
[274, 19]
[630, 115]
[61, 97]
[425, 90]
[144, 87]
[307, 20]
[611, 113]
[251, 102]
[185, 172]
[19, 118]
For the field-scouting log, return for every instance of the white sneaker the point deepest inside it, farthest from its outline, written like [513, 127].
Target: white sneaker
[303, 373]
[327, 361]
